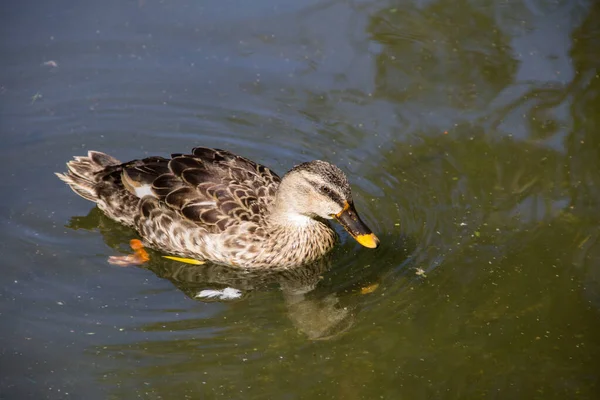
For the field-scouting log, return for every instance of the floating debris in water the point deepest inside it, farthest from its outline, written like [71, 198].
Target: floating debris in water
[36, 97]
[369, 289]
[225, 294]
[420, 272]
[51, 64]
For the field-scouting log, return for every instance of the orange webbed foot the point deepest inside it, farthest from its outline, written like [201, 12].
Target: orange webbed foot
[139, 256]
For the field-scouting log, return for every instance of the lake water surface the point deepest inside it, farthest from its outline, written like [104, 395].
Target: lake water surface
[470, 132]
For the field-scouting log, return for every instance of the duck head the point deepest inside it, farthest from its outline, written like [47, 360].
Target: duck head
[318, 189]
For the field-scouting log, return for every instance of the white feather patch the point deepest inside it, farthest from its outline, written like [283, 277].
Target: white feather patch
[204, 203]
[225, 294]
[144, 190]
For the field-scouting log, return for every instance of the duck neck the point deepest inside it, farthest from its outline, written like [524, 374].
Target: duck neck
[293, 223]
[300, 238]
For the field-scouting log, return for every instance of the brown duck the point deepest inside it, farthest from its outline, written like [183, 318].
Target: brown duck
[213, 205]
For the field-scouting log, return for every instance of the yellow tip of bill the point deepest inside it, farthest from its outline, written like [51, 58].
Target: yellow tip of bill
[368, 240]
[185, 260]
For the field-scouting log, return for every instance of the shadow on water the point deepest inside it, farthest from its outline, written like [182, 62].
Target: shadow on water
[321, 302]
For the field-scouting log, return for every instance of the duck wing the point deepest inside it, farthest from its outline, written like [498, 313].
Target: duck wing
[211, 187]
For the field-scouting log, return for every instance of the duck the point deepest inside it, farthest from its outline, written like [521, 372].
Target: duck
[212, 205]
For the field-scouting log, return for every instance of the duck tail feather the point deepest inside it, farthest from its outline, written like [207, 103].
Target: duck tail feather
[82, 174]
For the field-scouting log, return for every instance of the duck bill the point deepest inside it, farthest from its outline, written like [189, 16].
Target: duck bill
[352, 223]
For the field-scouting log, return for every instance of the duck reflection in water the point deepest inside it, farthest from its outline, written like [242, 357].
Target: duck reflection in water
[318, 314]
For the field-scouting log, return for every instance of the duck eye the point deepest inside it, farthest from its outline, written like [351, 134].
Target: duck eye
[325, 189]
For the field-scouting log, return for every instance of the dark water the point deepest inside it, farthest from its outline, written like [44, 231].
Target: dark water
[469, 131]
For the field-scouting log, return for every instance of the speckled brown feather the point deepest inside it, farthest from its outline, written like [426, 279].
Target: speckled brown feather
[213, 188]
[210, 204]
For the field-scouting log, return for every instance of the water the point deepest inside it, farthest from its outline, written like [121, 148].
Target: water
[468, 131]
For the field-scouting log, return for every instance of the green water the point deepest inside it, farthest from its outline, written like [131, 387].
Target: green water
[468, 130]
